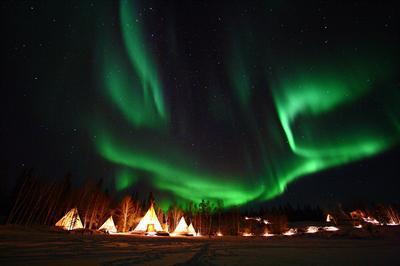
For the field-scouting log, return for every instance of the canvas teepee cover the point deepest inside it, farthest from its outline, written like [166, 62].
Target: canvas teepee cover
[191, 230]
[181, 228]
[70, 221]
[109, 226]
[149, 220]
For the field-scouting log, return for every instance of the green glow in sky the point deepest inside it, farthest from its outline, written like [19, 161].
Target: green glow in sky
[134, 84]
[186, 182]
[315, 121]
[125, 179]
[313, 93]
[140, 58]
[309, 105]
[240, 79]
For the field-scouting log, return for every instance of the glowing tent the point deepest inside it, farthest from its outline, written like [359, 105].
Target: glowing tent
[181, 228]
[149, 222]
[70, 221]
[109, 226]
[191, 230]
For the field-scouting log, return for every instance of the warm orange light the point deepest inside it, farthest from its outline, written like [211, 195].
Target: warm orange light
[370, 220]
[394, 217]
[109, 226]
[360, 215]
[266, 234]
[149, 218]
[312, 229]
[290, 232]
[70, 221]
[330, 228]
[150, 228]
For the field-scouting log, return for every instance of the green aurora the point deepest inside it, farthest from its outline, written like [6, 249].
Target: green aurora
[314, 122]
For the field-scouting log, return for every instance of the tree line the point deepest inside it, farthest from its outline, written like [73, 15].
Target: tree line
[41, 202]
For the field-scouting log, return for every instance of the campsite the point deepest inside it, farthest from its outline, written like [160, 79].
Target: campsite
[355, 239]
[64, 225]
[22, 246]
[200, 132]
[85, 226]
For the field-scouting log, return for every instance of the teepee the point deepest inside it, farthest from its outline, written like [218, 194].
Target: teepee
[70, 221]
[109, 226]
[191, 230]
[181, 228]
[149, 222]
[329, 218]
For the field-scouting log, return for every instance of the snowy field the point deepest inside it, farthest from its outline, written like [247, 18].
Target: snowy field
[42, 247]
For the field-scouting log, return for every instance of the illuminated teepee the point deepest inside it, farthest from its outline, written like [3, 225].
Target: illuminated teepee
[191, 230]
[181, 228]
[149, 222]
[109, 226]
[70, 221]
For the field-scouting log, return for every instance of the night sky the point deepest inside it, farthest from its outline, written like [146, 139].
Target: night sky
[243, 101]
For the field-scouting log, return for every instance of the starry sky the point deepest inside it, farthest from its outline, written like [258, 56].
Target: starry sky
[240, 101]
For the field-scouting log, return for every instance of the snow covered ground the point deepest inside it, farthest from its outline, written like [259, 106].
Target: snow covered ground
[19, 246]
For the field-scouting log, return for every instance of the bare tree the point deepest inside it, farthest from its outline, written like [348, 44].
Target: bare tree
[176, 214]
[124, 212]
[220, 206]
[135, 213]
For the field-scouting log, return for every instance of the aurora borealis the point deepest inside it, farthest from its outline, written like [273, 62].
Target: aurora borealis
[221, 101]
[305, 100]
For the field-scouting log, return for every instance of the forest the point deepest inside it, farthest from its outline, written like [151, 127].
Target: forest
[36, 201]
